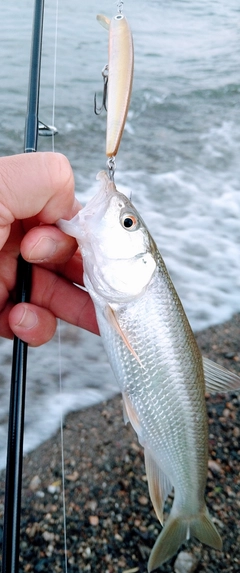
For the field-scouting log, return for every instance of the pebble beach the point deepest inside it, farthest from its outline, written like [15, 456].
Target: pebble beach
[180, 159]
[111, 525]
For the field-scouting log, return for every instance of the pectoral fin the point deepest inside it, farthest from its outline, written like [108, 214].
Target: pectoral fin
[111, 317]
[219, 379]
[159, 485]
[104, 21]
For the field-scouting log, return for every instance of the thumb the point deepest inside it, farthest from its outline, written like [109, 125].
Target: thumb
[35, 184]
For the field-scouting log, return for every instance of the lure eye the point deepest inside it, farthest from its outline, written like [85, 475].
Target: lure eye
[129, 221]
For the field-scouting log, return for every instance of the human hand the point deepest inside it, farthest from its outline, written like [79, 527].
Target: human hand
[36, 190]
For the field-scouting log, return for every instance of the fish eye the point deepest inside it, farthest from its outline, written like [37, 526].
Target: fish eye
[129, 221]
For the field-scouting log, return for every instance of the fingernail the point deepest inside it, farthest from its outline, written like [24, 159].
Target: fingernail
[44, 249]
[25, 318]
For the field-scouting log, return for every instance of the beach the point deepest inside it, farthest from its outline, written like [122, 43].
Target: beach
[111, 525]
[178, 159]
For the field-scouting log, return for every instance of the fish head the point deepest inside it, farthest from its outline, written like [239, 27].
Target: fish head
[117, 249]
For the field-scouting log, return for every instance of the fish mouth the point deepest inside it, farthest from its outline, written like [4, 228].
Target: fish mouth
[95, 209]
[99, 203]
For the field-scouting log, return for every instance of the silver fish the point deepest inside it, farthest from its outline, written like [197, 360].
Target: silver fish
[156, 361]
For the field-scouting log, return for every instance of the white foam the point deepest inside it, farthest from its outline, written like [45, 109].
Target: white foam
[86, 380]
[193, 216]
[182, 143]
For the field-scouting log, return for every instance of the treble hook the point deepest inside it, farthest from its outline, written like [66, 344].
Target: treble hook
[97, 110]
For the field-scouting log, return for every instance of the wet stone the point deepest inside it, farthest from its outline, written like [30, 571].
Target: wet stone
[111, 488]
[185, 563]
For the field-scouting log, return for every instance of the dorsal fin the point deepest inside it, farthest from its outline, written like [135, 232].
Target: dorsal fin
[219, 379]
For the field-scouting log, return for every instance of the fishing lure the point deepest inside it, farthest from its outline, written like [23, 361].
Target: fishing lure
[118, 78]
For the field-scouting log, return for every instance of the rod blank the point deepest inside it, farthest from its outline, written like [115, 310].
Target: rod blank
[11, 529]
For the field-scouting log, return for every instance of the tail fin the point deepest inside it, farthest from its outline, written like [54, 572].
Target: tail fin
[176, 531]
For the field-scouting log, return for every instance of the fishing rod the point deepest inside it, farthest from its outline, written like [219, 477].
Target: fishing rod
[13, 484]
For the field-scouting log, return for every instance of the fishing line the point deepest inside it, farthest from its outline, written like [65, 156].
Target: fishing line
[59, 321]
[55, 70]
[62, 447]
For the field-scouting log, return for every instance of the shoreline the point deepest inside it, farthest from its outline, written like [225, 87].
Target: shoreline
[111, 525]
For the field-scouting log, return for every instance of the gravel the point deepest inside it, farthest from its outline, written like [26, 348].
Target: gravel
[111, 525]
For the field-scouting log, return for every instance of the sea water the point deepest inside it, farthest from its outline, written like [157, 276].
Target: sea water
[179, 157]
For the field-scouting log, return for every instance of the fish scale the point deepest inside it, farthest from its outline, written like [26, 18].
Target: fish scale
[155, 358]
[131, 377]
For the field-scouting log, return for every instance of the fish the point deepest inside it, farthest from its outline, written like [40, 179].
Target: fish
[120, 78]
[157, 363]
